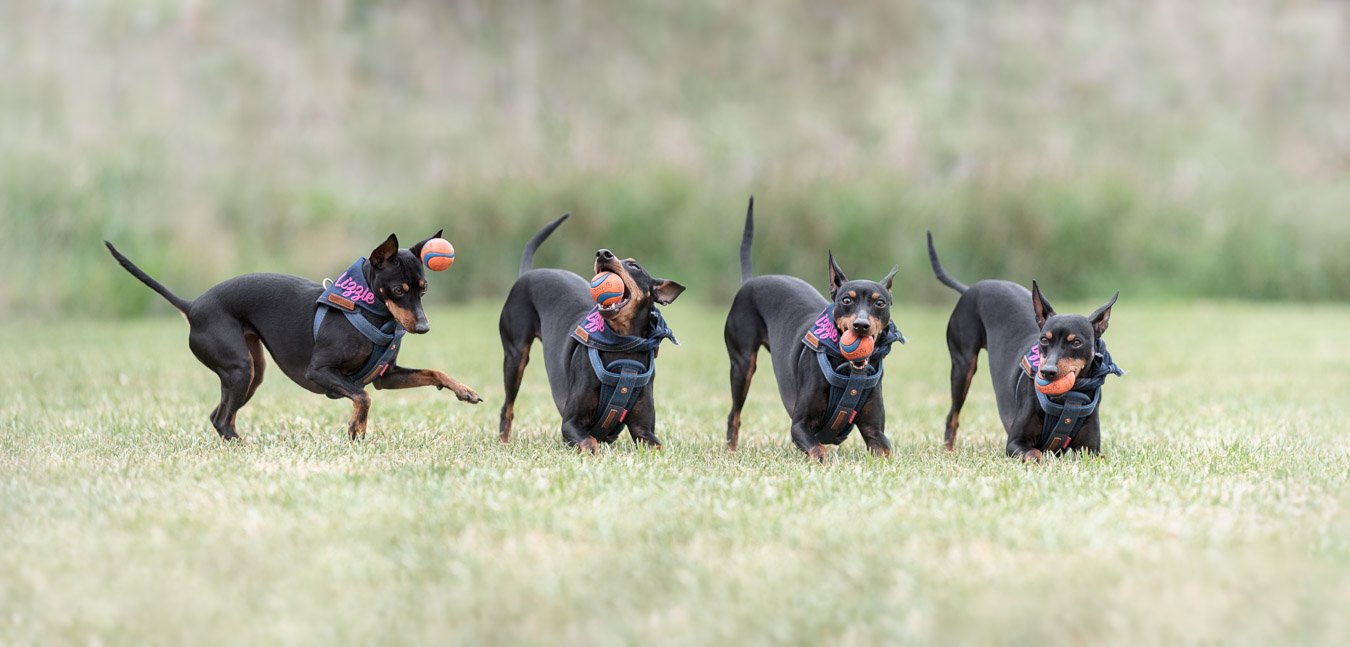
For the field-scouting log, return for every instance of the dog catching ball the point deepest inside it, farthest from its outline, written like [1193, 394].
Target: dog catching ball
[606, 289]
[438, 254]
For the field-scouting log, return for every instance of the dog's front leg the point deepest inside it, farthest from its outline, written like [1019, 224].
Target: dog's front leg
[874, 434]
[642, 422]
[806, 441]
[333, 380]
[398, 377]
[576, 435]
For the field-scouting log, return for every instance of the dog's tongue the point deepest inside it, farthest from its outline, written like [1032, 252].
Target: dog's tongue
[1058, 387]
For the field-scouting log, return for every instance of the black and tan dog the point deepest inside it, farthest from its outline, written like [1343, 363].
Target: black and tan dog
[600, 360]
[378, 299]
[1029, 345]
[825, 395]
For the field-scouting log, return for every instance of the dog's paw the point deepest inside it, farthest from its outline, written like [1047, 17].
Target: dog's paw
[588, 446]
[466, 394]
[1033, 456]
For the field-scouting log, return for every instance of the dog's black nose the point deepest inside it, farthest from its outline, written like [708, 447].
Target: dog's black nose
[1049, 372]
[422, 327]
[604, 254]
[862, 327]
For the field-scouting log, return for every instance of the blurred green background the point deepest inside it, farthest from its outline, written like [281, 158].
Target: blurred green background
[1170, 150]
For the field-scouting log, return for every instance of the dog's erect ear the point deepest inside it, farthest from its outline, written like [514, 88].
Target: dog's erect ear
[665, 290]
[890, 278]
[385, 251]
[1040, 305]
[1102, 316]
[417, 249]
[837, 277]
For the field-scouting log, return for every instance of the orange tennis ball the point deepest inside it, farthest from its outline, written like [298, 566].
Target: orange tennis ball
[854, 348]
[1058, 387]
[607, 289]
[438, 254]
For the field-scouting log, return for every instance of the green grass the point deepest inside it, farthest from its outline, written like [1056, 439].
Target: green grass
[1218, 514]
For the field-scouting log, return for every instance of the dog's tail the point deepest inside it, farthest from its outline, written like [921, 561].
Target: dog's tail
[527, 257]
[746, 237]
[941, 274]
[177, 301]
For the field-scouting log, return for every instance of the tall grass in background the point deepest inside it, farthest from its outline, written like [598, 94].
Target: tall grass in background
[1166, 149]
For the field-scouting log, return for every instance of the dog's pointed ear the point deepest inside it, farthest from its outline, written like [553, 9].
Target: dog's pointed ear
[837, 277]
[890, 278]
[665, 291]
[385, 251]
[1040, 305]
[417, 249]
[1102, 316]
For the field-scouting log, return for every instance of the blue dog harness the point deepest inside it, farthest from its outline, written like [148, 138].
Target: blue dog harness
[849, 386]
[622, 381]
[350, 294]
[1065, 418]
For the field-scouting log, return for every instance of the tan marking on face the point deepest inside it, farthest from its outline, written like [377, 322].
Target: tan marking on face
[876, 325]
[405, 287]
[1049, 335]
[421, 285]
[852, 294]
[402, 315]
[876, 295]
[1075, 366]
[845, 322]
[1069, 338]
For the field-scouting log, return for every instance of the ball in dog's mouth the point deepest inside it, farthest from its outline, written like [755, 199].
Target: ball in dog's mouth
[857, 349]
[1057, 387]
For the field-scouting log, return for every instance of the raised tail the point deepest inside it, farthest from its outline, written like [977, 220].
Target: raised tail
[941, 274]
[746, 237]
[178, 302]
[527, 257]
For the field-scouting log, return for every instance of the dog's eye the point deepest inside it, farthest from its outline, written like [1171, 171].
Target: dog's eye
[880, 303]
[846, 301]
[1044, 341]
[1077, 343]
[398, 292]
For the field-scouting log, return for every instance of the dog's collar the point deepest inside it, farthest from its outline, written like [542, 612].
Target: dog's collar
[351, 295]
[351, 292]
[1065, 414]
[593, 331]
[823, 337]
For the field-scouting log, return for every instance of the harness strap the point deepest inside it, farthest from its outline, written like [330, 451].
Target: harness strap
[621, 384]
[386, 341]
[1064, 420]
[848, 393]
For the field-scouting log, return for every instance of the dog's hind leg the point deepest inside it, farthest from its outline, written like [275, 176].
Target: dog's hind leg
[743, 341]
[965, 352]
[258, 364]
[518, 326]
[219, 343]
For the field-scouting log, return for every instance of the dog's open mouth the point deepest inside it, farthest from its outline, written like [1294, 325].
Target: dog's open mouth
[860, 364]
[617, 305]
[601, 266]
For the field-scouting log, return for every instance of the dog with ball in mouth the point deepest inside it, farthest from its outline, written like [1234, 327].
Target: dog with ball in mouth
[827, 355]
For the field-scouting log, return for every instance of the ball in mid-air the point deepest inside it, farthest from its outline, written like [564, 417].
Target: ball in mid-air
[606, 289]
[1057, 387]
[438, 254]
[854, 347]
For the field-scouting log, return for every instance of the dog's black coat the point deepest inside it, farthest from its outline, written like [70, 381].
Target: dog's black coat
[232, 322]
[1006, 319]
[547, 304]
[775, 311]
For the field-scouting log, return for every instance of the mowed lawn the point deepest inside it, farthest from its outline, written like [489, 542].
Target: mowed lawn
[1217, 513]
